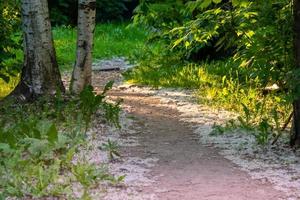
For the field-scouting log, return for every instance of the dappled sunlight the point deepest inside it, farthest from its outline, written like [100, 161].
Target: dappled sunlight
[163, 99]
[6, 88]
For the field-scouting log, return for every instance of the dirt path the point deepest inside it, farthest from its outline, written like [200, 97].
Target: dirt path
[186, 169]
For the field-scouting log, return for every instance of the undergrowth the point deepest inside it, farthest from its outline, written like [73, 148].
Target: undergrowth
[110, 40]
[38, 142]
[224, 85]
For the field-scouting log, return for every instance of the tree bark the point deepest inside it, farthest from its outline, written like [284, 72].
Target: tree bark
[40, 73]
[82, 72]
[295, 136]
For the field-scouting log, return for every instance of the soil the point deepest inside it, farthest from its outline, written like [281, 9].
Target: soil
[185, 168]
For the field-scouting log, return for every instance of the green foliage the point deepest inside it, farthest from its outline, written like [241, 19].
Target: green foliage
[230, 51]
[91, 102]
[222, 84]
[10, 39]
[38, 142]
[159, 15]
[258, 34]
[112, 149]
[110, 40]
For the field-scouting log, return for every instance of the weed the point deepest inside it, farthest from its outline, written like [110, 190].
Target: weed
[38, 141]
[112, 149]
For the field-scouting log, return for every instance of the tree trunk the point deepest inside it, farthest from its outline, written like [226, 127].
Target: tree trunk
[295, 136]
[82, 72]
[40, 73]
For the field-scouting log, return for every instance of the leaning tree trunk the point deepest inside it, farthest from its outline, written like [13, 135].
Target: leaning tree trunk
[82, 72]
[295, 136]
[40, 73]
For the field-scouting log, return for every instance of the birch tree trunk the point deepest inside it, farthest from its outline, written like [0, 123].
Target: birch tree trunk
[295, 136]
[40, 73]
[82, 72]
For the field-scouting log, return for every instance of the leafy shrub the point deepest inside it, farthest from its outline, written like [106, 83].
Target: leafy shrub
[112, 149]
[10, 42]
[39, 140]
[257, 34]
[159, 16]
[239, 47]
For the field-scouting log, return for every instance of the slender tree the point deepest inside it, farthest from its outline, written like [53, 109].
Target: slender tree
[295, 136]
[40, 73]
[82, 72]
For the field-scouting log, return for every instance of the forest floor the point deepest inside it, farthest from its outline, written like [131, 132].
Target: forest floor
[167, 151]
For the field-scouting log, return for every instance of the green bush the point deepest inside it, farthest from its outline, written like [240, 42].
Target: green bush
[39, 140]
[258, 34]
[10, 39]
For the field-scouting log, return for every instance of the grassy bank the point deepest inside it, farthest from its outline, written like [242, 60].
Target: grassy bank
[110, 40]
[221, 84]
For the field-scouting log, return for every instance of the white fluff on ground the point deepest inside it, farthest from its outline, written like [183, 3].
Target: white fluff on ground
[279, 164]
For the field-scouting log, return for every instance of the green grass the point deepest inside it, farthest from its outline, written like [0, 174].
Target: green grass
[110, 40]
[220, 84]
[165, 76]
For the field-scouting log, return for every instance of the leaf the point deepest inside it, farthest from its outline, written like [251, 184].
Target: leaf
[177, 42]
[5, 148]
[52, 134]
[108, 86]
[4, 77]
[217, 1]
[187, 44]
[37, 147]
[205, 4]
[240, 3]
[121, 178]
[70, 154]
[11, 139]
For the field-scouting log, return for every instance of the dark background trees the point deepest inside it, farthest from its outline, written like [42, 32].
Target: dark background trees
[10, 38]
[64, 12]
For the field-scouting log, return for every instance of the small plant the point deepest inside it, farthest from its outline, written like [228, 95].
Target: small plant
[218, 130]
[116, 180]
[264, 132]
[39, 140]
[112, 149]
[91, 102]
[112, 112]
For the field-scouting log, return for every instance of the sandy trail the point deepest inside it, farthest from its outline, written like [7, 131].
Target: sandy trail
[186, 169]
